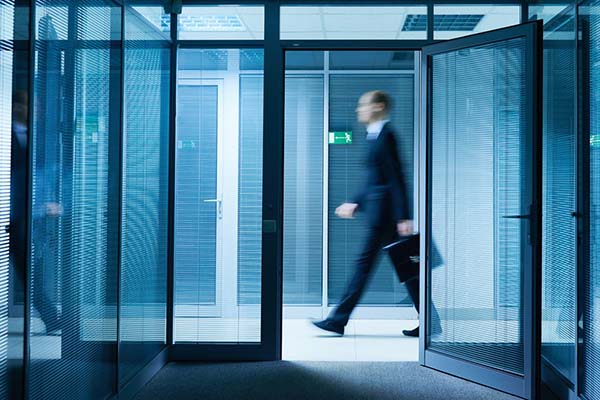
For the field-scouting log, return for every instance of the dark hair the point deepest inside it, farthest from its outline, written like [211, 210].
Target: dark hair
[379, 96]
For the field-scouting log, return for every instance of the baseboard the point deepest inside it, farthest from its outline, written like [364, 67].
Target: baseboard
[140, 380]
[555, 384]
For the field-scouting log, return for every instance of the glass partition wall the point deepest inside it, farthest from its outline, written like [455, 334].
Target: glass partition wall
[96, 314]
[161, 212]
[218, 196]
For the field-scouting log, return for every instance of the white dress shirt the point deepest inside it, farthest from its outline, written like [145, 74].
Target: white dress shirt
[374, 128]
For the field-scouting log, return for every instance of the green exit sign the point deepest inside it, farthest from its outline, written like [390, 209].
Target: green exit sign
[340, 137]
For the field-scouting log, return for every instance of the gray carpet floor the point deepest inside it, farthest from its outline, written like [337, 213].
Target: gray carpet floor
[286, 380]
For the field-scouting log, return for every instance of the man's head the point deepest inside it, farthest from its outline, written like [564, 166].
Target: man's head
[373, 106]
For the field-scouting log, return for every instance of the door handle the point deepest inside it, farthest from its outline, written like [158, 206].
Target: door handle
[219, 206]
[525, 216]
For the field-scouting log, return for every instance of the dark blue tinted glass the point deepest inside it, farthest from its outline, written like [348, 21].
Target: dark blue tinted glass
[75, 207]
[306, 60]
[144, 215]
[372, 60]
[13, 201]
[559, 235]
[479, 175]
[590, 89]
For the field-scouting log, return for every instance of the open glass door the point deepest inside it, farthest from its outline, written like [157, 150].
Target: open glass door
[481, 200]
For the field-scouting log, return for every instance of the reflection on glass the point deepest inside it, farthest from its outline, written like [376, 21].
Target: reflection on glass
[74, 209]
[478, 142]
[354, 22]
[144, 212]
[221, 22]
[455, 21]
[559, 236]
[13, 195]
[218, 200]
[155, 16]
[590, 90]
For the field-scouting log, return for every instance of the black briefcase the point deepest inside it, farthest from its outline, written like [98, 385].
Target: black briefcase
[405, 256]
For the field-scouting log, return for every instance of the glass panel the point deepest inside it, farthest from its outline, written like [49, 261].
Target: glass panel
[194, 59]
[252, 59]
[303, 190]
[355, 22]
[51, 20]
[347, 174]
[13, 196]
[553, 15]
[559, 236]
[144, 212]
[155, 17]
[372, 60]
[479, 149]
[218, 203]
[304, 60]
[590, 89]
[222, 22]
[461, 20]
[74, 209]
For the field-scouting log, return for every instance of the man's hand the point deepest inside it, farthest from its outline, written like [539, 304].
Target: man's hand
[346, 210]
[405, 227]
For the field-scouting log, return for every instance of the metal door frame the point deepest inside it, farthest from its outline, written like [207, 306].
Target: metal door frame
[528, 385]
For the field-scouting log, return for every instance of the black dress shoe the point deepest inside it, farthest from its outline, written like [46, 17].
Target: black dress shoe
[327, 325]
[436, 329]
[411, 332]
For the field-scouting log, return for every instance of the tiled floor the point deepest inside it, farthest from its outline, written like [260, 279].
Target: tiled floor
[364, 340]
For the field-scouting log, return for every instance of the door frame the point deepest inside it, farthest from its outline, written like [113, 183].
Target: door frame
[270, 346]
[528, 385]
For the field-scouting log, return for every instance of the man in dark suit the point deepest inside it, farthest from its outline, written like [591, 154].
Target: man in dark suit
[384, 200]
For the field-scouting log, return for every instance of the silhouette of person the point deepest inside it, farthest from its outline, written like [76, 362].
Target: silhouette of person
[42, 299]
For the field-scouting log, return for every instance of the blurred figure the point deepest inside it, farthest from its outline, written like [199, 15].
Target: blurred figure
[383, 199]
[41, 298]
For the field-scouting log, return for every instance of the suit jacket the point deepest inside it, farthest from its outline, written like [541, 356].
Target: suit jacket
[383, 195]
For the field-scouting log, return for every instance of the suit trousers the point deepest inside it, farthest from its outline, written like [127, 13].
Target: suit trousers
[41, 296]
[377, 237]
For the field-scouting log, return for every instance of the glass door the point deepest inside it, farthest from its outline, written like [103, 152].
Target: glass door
[481, 208]
[218, 204]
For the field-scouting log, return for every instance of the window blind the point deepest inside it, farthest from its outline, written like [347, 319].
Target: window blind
[144, 208]
[477, 176]
[303, 190]
[591, 319]
[74, 232]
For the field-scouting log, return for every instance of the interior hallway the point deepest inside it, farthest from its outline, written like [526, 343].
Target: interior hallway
[289, 380]
[363, 340]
